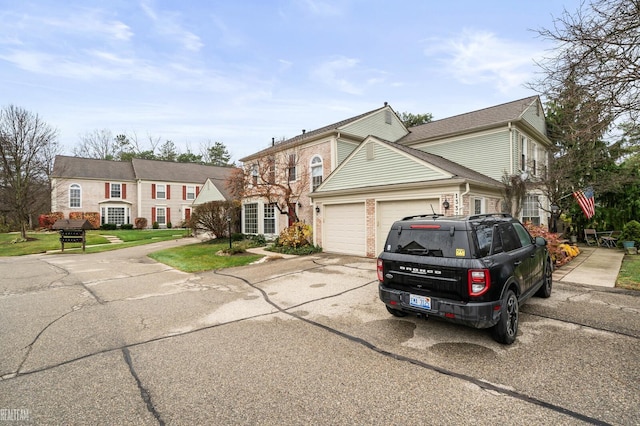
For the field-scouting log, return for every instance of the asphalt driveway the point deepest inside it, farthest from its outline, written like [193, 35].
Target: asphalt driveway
[116, 338]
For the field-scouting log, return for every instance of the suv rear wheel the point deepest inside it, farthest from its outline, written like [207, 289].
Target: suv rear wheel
[545, 290]
[506, 329]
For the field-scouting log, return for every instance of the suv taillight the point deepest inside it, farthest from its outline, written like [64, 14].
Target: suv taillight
[380, 270]
[479, 281]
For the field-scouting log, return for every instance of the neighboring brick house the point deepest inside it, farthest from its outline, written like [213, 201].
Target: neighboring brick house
[450, 166]
[160, 191]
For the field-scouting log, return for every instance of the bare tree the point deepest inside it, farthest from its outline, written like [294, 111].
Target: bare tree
[277, 178]
[26, 147]
[98, 144]
[599, 46]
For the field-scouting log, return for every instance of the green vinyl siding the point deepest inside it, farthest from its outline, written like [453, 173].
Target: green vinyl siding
[387, 167]
[535, 116]
[376, 125]
[486, 153]
[344, 149]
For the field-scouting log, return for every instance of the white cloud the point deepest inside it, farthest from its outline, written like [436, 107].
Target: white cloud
[332, 73]
[481, 57]
[167, 24]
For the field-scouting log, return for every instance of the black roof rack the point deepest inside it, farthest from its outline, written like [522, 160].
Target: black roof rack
[487, 215]
[431, 215]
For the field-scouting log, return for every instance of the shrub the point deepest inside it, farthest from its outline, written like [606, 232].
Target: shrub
[155, 225]
[92, 217]
[237, 237]
[47, 220]
[126, 226]
[108, 226]
[169, 226]
[296, 235]
[140, 222]
[630, 232]
[300, 251]
[259, 240]
[212, 217]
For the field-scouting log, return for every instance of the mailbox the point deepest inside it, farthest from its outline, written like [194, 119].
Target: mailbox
[72, 231]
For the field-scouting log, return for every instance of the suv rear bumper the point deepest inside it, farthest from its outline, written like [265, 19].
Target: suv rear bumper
[478, 315]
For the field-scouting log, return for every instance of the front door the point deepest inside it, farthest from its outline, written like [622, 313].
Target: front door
[187, 214]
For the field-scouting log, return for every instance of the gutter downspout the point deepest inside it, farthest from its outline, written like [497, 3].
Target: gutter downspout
[510, 149]
[462, 197]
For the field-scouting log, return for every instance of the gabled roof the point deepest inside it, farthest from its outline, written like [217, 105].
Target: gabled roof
[164, 171]
[302, 137]
[457, 170]
[470, 122]
[169, 171]
[89, 168]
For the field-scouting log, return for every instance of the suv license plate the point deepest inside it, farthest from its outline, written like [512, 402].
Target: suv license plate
[420, 301]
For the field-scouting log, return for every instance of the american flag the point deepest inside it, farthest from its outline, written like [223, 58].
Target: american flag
[585, 199]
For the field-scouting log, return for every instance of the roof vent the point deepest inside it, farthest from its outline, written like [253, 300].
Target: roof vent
[304, 131]
[385, 104]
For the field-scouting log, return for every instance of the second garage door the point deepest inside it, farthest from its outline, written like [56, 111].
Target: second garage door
[344, 229]
[390, 211]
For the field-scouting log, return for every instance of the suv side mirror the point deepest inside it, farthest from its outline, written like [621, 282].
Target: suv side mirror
[541, 241]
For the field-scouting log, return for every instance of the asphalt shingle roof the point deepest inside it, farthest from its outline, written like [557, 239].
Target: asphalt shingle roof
[468, 122]
[306, 135]
[166, 171]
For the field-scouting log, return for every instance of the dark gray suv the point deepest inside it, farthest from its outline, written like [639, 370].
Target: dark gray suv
[473, 270]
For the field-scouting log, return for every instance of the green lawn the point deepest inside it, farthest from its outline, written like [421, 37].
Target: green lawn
[629, 276]
[202, 257]
[41, 242]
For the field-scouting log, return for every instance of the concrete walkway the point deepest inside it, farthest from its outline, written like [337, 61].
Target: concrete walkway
[594, 266]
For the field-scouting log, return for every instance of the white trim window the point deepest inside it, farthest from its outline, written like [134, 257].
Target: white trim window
[251, 218]
[161, 191]
[478, 206]
[191, 192]
[269, 219]
[316, 172]
[114, 214]
[291, 168]
[75, 196]
[531, 210]
[161, 215]
[116, 190]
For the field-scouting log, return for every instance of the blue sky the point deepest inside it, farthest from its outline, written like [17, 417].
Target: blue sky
[242, 72]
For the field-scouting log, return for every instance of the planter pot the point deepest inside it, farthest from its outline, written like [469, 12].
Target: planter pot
[628, 244]
[573, 239]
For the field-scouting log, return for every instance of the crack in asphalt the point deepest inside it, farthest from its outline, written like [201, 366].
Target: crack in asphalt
[144, 392]
[470, 379]
[593, 327]
[30, 345]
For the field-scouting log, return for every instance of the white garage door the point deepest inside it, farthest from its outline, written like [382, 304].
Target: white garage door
[390, 211]
[344, 229]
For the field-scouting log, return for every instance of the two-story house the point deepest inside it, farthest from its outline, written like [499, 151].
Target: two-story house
[450, 166]
[120, 191]
[298, 166]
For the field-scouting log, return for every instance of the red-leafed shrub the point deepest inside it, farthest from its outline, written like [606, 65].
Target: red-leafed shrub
[92, 217]
[556, 245]
[46, 221]
[141, 222]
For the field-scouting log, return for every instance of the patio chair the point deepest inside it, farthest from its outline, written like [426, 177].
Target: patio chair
[591, 237]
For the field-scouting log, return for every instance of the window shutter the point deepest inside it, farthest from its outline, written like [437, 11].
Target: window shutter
[184, 192]
[153, 191]
[168, 214]
[168, 192]
[153, 215]
[107, 190]
[197, 190]
[124, 191]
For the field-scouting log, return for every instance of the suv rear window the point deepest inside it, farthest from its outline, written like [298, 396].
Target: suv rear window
[429, 242]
